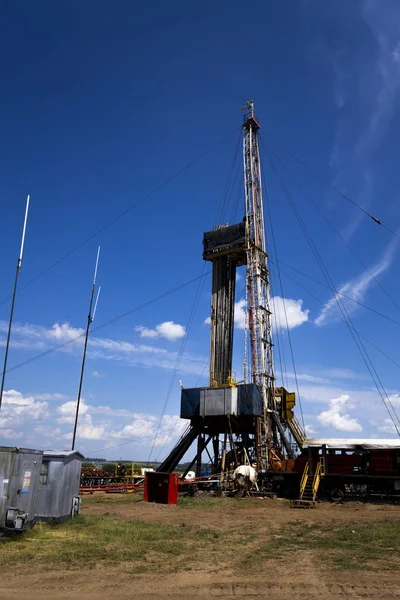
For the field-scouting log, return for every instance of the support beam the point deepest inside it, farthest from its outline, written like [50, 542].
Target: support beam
[200, 448]
[174, 458]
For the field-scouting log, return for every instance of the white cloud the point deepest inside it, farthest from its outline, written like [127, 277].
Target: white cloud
[55, 396]
[39, 425]
[144, 426]
[86, 430]
[365, 90]
[240, 314]
[385, 426]
[97, 374]
[169, 330]
[294, 312]
[141, 426]
[56, 332]
[48, 432]
[336, 416]
[130, 434]
[64, 331]
[386, 71]
[343, 373]
[394, 399]
[18, 409]
[10, 434]
[68, 411]
[38, 337]
[306, 377]
[356, 287]
[16, 398]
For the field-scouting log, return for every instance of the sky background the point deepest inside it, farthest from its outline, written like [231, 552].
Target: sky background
[107, 107]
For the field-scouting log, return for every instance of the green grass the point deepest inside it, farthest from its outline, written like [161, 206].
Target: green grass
[348, 546]
[142, 546]
[220, 503]
[86, 540]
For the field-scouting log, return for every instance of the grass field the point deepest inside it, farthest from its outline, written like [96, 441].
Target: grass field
[113, 539]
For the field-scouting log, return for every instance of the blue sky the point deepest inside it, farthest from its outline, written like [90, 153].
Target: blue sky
[102, 104]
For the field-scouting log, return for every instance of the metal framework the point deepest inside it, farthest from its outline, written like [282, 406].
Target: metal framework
[246, 420]
[257, 276]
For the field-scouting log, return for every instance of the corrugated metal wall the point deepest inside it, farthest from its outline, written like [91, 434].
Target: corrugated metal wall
[56, 494]
[19, 480]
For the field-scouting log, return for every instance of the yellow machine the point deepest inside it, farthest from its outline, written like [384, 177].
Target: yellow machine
[226, 379]
[286, 403]
[128, 472]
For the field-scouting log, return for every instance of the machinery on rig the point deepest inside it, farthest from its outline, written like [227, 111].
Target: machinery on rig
[249, 422]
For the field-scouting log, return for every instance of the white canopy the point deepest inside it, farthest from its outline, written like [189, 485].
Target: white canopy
[352, 444]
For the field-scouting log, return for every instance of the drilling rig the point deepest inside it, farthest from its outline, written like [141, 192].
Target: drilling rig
[250, 422]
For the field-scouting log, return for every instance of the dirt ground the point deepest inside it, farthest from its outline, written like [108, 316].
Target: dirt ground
[301, 575]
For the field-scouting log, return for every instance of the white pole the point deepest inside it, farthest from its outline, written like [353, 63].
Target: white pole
[3, 376]
[23, 231]
[96, 267]
[95, 304]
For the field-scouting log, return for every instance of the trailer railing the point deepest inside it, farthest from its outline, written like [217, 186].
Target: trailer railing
[319, 473]
[303, 481]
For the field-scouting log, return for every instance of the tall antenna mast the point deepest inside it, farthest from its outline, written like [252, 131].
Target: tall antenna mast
[257, 275]
[19, 263]
[90, 320]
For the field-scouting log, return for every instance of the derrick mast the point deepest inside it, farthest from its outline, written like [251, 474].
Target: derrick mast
[243, 421]
[257, 275]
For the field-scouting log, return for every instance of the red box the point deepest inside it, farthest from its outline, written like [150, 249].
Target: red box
[161, 488]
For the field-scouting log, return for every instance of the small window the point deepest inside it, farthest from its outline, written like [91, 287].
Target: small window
[44, 470]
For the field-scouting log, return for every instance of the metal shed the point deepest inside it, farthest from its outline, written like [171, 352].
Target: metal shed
[19, 481]
[58, 495]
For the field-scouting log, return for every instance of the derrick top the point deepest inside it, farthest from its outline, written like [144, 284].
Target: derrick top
[250, 119]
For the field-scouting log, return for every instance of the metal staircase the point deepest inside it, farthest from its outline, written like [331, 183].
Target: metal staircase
[309, 486]
[297, 431]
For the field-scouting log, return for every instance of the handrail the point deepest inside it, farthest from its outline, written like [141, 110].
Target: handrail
[297, 431]
[303, 481]
[319, 473]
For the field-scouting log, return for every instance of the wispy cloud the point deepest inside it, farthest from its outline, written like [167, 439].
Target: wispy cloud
[41, 425]
[47, 397]
[356, 287]
[97, 374]
[38, 337]
[366, 87]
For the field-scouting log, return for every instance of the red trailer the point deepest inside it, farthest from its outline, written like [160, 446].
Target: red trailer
[344, 467]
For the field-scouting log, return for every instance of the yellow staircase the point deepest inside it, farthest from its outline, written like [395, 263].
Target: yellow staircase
[309, 486]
